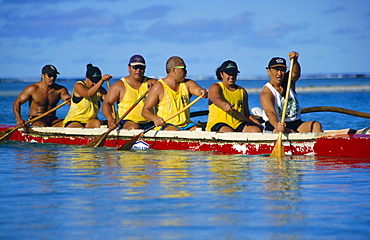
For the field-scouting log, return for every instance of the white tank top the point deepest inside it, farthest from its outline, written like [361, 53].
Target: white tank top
[293, 111]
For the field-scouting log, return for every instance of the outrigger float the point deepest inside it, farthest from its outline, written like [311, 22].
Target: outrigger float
[334, 143]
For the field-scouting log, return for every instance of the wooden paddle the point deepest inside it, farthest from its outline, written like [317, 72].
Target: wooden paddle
[246, 119]
[5, 135]
[278, 150]
[99, 141]
[241, 115]
[128, 145]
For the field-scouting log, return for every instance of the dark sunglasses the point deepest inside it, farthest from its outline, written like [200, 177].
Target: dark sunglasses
[231, 73]
[141, 67]
[50, 75]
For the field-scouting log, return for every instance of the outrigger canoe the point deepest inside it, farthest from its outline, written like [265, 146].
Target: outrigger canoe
[334, 143]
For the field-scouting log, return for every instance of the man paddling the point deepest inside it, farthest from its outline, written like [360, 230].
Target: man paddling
[171, 94]
[126, 92]
[42, 96]
[273, 94]
[227, 101]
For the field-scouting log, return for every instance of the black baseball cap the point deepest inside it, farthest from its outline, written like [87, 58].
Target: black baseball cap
[93, 73]
[49, 69]
[277, 62]
[229, 66]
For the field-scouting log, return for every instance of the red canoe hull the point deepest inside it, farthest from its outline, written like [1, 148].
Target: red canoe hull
[340, 145]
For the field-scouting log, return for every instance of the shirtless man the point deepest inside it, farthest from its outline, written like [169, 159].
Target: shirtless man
[126, 92]
[171, 94]
[42, 96]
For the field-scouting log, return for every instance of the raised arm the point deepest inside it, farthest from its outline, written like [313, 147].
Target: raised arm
[296, 70]
[81, 91]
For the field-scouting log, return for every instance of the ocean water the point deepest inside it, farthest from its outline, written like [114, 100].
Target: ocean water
[51, 191]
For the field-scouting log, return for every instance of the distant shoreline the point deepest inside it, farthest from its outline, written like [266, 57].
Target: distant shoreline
[357, 88]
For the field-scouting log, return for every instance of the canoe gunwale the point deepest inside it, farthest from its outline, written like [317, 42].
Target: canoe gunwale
[191, 135]
[336, 143]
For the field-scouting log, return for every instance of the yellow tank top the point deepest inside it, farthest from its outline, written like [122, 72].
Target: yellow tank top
[173, 102]
[131, 96]
[217, 115]
[86, 109]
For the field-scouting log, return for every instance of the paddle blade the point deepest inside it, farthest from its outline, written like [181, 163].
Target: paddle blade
[99, 141]
[6, 134]
[278, 150]
[131, 142]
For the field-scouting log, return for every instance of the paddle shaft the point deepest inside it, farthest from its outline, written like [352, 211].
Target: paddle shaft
[173, 115]
[287, 91]
[99, 141]
[241, 115]
[278, 150]
[46, 113]
[132, 107]
[4, 135]
[128, 145]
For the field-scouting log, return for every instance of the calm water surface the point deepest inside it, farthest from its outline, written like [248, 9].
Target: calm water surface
[51, 191]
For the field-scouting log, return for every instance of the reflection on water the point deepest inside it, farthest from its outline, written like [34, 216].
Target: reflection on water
[173, 174]
[81, 190]
[282, 186]
[135, 172]
[283, 176]
[228, 173]
[44, 158]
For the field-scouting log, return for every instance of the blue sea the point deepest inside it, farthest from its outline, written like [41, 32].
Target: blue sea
[51, 191]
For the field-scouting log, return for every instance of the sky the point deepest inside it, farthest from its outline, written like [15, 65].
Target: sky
[331, 36]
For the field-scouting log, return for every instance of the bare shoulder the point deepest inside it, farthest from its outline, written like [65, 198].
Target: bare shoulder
[118, 82]
[266, 95]
[59, 87]
[152, 80]
[155, 93]
[30, 89]
[117, 86]
[189, 81]
[265, 90]
[157, 86]
[215, 86]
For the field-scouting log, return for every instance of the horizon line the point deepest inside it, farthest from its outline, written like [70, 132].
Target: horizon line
[211, 77]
